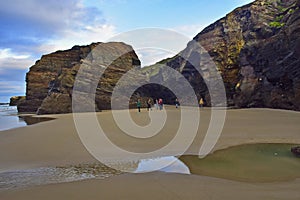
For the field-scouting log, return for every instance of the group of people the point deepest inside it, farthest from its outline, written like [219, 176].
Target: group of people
[159, 104]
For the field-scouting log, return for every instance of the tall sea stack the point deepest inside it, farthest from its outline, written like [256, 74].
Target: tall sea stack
[50, 81]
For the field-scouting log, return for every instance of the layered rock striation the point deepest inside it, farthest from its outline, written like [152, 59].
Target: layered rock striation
[256, 49]
[50, 82]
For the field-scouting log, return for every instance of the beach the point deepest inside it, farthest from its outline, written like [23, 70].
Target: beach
[56, 143]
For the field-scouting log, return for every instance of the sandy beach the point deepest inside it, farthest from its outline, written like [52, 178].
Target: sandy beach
[56, 143]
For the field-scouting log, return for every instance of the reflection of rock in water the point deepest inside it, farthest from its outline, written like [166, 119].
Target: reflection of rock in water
[29, 120]
[296, 151]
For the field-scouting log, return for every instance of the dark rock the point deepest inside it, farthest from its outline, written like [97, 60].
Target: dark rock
[14, 101]
[56, 103]
[296, 151]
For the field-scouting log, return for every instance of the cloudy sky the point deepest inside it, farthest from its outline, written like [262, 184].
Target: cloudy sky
[31, 28]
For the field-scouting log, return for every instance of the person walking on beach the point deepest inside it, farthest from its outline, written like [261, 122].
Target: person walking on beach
[149, 104]
[201, 103]
[156, 104]
[176, 103]
[138, 105]
[160, 103]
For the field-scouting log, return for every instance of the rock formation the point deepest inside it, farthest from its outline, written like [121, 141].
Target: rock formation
[14, 101]
[256, 48]
[51, 80]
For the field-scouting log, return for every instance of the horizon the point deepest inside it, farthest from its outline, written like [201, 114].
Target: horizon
[27, 35]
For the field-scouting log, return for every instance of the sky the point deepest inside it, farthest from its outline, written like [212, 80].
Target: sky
[31, 28]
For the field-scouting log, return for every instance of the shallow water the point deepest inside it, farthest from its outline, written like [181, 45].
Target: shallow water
[9, 118]
[250, 163]
[246, 163]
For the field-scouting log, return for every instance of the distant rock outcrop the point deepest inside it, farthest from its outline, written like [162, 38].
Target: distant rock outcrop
[14, 101]
[50, 81]
[256, 48]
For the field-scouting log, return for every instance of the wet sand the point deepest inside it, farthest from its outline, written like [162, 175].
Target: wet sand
[56, 143]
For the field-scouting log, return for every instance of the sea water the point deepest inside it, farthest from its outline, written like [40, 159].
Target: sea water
[9, 118]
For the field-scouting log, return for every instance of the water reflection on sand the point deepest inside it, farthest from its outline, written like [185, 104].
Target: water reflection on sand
[9, 118]
[246, 163]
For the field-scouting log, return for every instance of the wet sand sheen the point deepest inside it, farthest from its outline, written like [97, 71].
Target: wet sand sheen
[248, 163]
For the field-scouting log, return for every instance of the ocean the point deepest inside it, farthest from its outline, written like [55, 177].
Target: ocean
[9, 118]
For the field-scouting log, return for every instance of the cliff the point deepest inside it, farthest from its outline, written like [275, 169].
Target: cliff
[256, 48]
[50, 82]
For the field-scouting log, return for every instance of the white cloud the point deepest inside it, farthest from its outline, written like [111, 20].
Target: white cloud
[190, 30]
[83, 36]
[11, 60]
[151, 56]
[49, 16]
[153, 44]
[12, 87]
[6, 53]
[42, 27]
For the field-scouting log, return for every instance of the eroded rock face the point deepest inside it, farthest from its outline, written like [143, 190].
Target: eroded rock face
[50, 82]
[256, 48]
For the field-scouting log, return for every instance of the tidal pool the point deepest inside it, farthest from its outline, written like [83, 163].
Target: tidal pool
[249, 163]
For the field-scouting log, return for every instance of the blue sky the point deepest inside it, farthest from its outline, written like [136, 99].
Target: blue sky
[31, 28]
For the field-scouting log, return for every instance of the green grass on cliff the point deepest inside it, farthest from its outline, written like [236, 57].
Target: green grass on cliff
[276, 24]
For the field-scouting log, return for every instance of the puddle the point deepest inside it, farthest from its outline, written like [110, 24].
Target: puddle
[248, 163]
